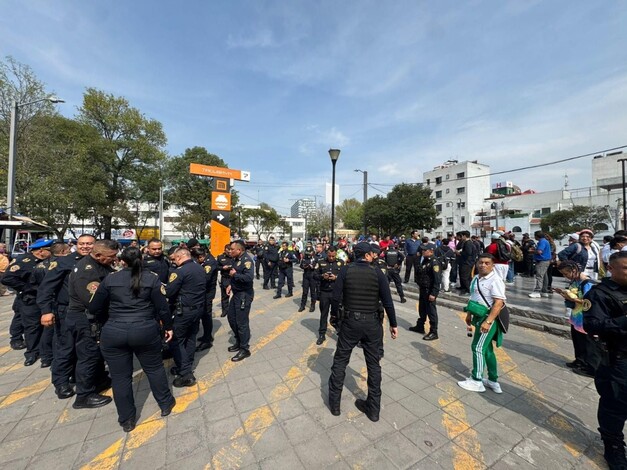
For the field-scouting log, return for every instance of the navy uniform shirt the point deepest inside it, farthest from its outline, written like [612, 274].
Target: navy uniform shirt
[272, 253]
[605, 314]
[115, 298]
[224, 264]
[53, 290]
[210, 265]
[242, 281]
[382, 265]
[385, 295]
[187, 284]
[84, 281]
[308, 264]
[158, 265]
[18, 276]
[289, 255]
[323, 267]
[429, 275]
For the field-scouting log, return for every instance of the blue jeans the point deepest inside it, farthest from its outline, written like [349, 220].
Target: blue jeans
[510, 272]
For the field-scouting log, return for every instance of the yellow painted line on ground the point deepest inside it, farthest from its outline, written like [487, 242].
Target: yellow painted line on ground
[11, 367]
[145, 431]
[25, 392]
[262, 418]
[4, 350]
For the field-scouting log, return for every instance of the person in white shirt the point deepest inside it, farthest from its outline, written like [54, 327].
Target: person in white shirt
[487, 298]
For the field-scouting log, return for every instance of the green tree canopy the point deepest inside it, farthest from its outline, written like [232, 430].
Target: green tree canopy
[562, 222]
[351, 213]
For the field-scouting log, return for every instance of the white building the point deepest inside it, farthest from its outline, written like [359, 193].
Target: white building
[459, 190]
[303, 207]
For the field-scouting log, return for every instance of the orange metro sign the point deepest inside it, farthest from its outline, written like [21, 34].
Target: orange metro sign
[218, 172]
[220, 201]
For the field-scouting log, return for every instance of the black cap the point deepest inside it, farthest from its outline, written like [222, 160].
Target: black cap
[376, 249]
[361, 248]
[192, 242]
[427, 246]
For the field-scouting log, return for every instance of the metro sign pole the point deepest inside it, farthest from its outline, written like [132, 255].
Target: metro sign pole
[220, 201]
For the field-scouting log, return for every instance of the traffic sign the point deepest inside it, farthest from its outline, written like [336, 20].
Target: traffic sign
[219, 172]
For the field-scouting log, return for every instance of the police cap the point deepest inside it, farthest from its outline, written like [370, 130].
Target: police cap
[427, 246]
[361, 249]
[39, 244]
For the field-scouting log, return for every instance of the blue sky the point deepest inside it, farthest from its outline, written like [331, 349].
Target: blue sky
[399, 87]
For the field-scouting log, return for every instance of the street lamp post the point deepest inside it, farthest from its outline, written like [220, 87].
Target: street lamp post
[334, 154]
[622, 161]
[15, 110]
[365, 199]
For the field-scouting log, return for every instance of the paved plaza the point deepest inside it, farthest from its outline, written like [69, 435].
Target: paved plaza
[269, 411]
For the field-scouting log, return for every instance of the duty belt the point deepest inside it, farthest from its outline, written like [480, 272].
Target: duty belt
[359, 315]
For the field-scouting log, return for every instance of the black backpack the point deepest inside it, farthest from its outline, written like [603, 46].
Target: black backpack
[442, 254]
[503, 250]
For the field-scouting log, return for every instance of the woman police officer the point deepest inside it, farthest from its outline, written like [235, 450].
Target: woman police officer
[129, 303]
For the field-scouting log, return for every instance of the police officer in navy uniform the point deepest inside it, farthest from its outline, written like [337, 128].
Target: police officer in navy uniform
[271, 258]
[393, 259]
[156, 261]
[225, 262]
[259, 251]
[308, 265]
[82, 284]
[428, 278]
[360, 287]
[20, 278]
[287, 258]
[53, 300]
[186, 292]
[326, 272]
[242, 295]
[131, 303]
[210, 265]
[605, 315]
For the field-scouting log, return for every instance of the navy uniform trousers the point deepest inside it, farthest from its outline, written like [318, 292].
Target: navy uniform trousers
[119, 341]
[238, 316]
[183, 344]
[63, 350]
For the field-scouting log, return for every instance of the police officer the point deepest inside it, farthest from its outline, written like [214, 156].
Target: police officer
[82, 284]
[186, 292]
[53, 299]
[393, 259]
[326, 272]
[428, 278]
[156, 261]
[286, 270]
[308, 265]
[259, 251]
[605, 315]
[130, 303]
[360, 287]
[224, 264]
[270, 266]
[241, 289]
[20, 277]
[210, 265]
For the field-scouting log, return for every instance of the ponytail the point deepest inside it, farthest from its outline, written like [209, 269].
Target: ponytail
[133, 258]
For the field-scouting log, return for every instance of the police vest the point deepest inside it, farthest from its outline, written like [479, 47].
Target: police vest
[391, 257]
[361, 288]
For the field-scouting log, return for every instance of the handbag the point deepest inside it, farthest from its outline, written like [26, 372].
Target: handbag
[503, 316]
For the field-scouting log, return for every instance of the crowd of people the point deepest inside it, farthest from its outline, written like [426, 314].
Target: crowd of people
[86, 311]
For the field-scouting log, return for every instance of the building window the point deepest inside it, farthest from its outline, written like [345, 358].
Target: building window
[449, 221]
[461, 205]
[438, 194]
[545, 210]
[448, 190]
[463, 219]
[438, 207]
[460, 175]
[517, 229]
[438, 180]
[447, 176]
[428, 181]
[461, 190]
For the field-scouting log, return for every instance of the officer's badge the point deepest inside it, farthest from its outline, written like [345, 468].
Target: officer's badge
[26, 260]
[52, 266]
[162, 289]
[207, 269]
[172, 277]
[587, 305]
[88, 267]
[14, 268]
[339, 263]
[436, 268]
[13, 261]
[92, 287]
[248, 264]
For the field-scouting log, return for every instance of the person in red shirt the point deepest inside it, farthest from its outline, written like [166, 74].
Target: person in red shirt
[496, 249]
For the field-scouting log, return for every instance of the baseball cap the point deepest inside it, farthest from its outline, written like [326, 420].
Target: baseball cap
[361, 248]
[427, 246]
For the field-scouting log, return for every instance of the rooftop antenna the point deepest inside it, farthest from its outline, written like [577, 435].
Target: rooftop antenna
[565, 181]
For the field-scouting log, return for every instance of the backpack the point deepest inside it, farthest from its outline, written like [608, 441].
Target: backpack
[503, 251]
[441, 256]
[516, 254]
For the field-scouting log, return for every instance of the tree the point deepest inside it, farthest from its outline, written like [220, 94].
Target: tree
[263, 220]
[379, 216]
[190, 192]
[351, 213]
[319, 221]
[562, 222]
[130, 145]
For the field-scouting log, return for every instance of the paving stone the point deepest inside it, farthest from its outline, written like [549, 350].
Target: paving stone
[21, 448]
[240, 386]
[184, 445]
[220, 431]
[397, 415]
[274, 440]
[317, 452]
[370, 457]
[495, 439]
[74, 433]
[418, 406]
[348, 439]
[249, 401]
[451, 456]
[288, 408]
[301, 428]
[30, 426]
[61, 458]
[152, 455]
[544, 450]
[179, 423]
[286, 459]
[425, 436]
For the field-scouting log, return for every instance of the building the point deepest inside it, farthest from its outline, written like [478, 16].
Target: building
[303, 207]
[459, 190]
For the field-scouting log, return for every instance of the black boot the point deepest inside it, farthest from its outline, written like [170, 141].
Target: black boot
[615, 454]
[312, 308]
[321, 339]
[302, 308]
[289, 294]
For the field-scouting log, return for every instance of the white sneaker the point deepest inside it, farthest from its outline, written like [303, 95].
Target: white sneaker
[535, 295]
[472, 385]
[494, 386]
[543, 294]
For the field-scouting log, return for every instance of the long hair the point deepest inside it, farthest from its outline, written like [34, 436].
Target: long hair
[132, 256]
